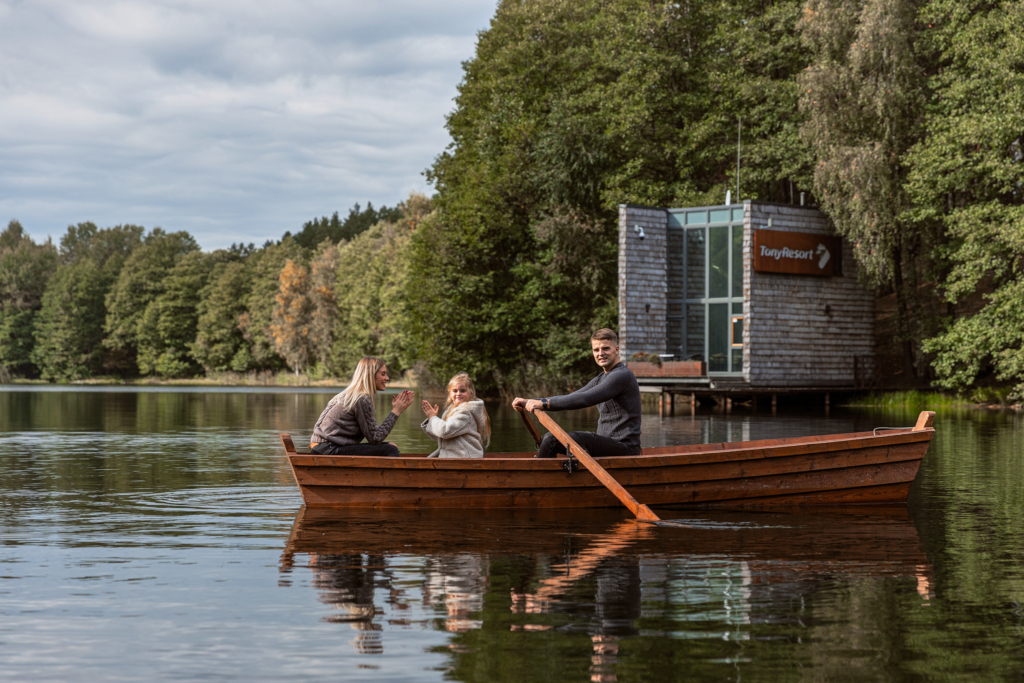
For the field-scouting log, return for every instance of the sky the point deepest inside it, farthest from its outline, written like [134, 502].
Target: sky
[235, 121]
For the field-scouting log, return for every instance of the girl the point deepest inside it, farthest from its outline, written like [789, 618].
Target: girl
[348, 418]
[465, 429]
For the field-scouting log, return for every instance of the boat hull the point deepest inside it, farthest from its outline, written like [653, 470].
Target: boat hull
[844, 469]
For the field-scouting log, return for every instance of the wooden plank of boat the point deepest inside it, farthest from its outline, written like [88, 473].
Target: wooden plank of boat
[835, 469]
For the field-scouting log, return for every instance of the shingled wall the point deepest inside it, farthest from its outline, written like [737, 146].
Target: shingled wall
[643, 279]
[801, 330]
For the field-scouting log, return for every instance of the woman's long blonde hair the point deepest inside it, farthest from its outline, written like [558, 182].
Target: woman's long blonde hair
[363, 382]
[463, 378]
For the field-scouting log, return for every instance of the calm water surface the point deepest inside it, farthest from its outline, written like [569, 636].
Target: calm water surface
[159, 535]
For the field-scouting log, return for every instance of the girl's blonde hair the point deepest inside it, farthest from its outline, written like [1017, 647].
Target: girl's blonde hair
[363, 382]
[463, 378]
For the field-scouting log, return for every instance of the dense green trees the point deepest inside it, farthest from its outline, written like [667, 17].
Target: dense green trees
[25, 270]
[968, 178]
[69, 334]
[902, 119]
[865, 94]
[220, 344]
[334, 229]
[119, 301]
[142, 280]
[70, 330]
[168, 327]
[569, 108]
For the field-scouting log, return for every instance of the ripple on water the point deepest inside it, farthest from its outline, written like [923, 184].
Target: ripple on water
[221, 500]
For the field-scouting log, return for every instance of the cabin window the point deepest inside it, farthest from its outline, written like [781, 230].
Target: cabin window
[694, 267]
[718, 338]
[718, 282]
[705, 283]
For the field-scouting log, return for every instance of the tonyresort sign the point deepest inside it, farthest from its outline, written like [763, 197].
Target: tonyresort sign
[796, 253]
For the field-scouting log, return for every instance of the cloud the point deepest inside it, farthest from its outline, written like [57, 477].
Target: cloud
[235, 121]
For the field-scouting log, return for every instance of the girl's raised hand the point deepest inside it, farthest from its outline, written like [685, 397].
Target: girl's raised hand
[429, 410]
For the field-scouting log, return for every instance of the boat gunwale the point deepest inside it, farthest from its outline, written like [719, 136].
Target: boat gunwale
[685, 455]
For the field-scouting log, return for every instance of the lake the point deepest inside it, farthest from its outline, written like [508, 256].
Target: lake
[156, 533]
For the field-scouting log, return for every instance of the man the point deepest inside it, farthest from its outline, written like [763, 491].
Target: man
[616, 394]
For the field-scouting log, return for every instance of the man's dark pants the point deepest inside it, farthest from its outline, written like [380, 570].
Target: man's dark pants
[597, 446]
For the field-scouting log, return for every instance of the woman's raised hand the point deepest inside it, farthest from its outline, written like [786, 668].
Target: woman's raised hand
[401, 401]
[429, 410]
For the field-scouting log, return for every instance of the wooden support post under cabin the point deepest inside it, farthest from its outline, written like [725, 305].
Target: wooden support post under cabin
[775, 403]
[826, 403]
[661, 404]
[728, 405]
[693, 404]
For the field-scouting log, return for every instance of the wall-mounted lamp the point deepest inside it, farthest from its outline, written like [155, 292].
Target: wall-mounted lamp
[639, 231]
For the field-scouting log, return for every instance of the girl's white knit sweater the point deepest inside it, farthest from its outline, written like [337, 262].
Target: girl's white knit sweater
[458, 433]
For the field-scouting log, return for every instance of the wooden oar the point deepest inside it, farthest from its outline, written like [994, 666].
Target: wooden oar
[641, 511]
[530, 426]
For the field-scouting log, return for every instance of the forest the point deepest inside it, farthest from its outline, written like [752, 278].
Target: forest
[902, 120]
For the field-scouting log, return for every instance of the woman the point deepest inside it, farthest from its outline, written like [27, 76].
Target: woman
[348, 418]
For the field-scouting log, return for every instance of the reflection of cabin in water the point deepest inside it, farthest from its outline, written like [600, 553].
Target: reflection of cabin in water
[752, 298]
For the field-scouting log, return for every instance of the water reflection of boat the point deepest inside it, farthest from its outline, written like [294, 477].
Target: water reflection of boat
[590, 570]
[838, 469]
[841, 541]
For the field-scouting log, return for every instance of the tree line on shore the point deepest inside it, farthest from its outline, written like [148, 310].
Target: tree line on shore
[120, 301]
[901, 119]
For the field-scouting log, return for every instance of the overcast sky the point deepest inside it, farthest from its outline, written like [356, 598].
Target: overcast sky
[235, 121]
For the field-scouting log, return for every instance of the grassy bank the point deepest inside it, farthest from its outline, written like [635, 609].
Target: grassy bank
[982, 397]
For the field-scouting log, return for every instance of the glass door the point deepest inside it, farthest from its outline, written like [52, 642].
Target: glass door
[705, 263]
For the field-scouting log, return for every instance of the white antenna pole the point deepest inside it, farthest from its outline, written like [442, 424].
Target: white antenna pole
[739, 132]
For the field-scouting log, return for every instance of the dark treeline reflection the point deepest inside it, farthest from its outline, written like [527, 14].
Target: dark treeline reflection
[156, 411]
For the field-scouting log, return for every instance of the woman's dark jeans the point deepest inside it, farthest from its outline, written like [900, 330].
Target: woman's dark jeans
[383, 450]
[597, 446]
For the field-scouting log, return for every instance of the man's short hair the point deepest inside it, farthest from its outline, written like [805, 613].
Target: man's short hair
[604, 334]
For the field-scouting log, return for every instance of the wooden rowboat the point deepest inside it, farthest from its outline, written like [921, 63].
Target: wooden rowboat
[839, 469]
